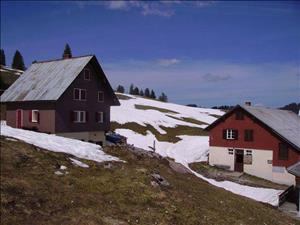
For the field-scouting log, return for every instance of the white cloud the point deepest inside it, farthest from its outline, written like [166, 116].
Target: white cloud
[164, 8]
[168, 62]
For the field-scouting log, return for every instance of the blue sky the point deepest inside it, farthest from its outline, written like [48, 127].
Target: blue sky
[207, 53]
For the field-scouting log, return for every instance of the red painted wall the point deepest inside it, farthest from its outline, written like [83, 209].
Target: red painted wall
[263, 138]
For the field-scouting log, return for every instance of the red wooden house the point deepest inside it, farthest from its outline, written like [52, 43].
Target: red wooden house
[259, 141]
[69, 97]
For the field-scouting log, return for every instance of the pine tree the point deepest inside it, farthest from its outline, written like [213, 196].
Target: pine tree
[136, 91]
[163, 97]
[131, 89]
[18, 62]
[141, 92]
[120, 89]
[2, 58]
[67, 52]
[152, 95]
[147, 93]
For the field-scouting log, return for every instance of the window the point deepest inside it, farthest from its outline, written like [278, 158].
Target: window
[100, 96]
[239, 115]
[99, 117]
[283, 151]
[87, 74]
[230, 151]
[79, 116]
[34, 116]
[248, 152]
[79, 94]
[230, 134]
[248, 135]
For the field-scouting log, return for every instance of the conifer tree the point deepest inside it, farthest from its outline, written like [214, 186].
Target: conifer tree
[141, 92]
[18, 62]
[2, 58]
[152, 95]
[136, 91]
[67, 52]
[120, 89]
[147, 93]
[131, 89]
[163, 97]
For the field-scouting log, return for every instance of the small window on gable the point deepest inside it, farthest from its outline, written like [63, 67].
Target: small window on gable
[79, 94]
[100, 96]
[230, 134]
[34, 116]
[283, 151]
[239, 115]
[86, 74]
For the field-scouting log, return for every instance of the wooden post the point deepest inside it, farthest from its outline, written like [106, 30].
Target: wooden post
[154, 145]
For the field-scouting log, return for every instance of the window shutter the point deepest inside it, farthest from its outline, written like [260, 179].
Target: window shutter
[224, 134]
[30, 115]
[72, 116]
[38, 117]
[236, 134]
[86, 116]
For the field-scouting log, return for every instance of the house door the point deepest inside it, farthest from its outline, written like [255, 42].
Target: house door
[19, 118]
[239, 160]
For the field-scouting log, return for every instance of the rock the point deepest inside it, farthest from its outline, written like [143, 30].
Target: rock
[108, 165]
[58, 173]
[62, 167]
[160, 180]
[178, 167]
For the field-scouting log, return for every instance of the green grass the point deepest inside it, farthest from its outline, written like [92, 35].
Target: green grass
[146, 107]
[170, 136]
[32, 194]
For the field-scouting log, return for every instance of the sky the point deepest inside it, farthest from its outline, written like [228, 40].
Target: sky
[206, 53]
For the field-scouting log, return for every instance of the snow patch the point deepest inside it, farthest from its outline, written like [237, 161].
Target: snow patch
[79, 163]
[54, 143]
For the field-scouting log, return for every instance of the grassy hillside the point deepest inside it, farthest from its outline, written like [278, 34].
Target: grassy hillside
[114, 193]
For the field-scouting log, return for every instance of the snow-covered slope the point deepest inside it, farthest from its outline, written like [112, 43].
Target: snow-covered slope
[189, 149]
[80, 149]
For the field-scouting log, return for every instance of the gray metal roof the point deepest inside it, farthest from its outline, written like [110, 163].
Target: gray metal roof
[45, 80]
[283, 122]
[294, 169]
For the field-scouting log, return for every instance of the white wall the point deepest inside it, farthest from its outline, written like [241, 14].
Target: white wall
[261, 164]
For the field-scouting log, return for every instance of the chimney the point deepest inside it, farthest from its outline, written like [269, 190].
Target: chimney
[248, 103]
[66, 56]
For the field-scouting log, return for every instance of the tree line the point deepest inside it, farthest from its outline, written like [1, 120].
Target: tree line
[134, 90]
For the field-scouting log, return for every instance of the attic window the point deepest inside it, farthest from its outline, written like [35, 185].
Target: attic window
[230, 134]
[79, 94]
[87, 74]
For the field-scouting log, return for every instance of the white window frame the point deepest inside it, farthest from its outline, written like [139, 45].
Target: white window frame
[102, 95]
[230, 134]
[33, 119]
[80, 117]
[80, 90]
[248, 152]
[84, 73]
[100, 117]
